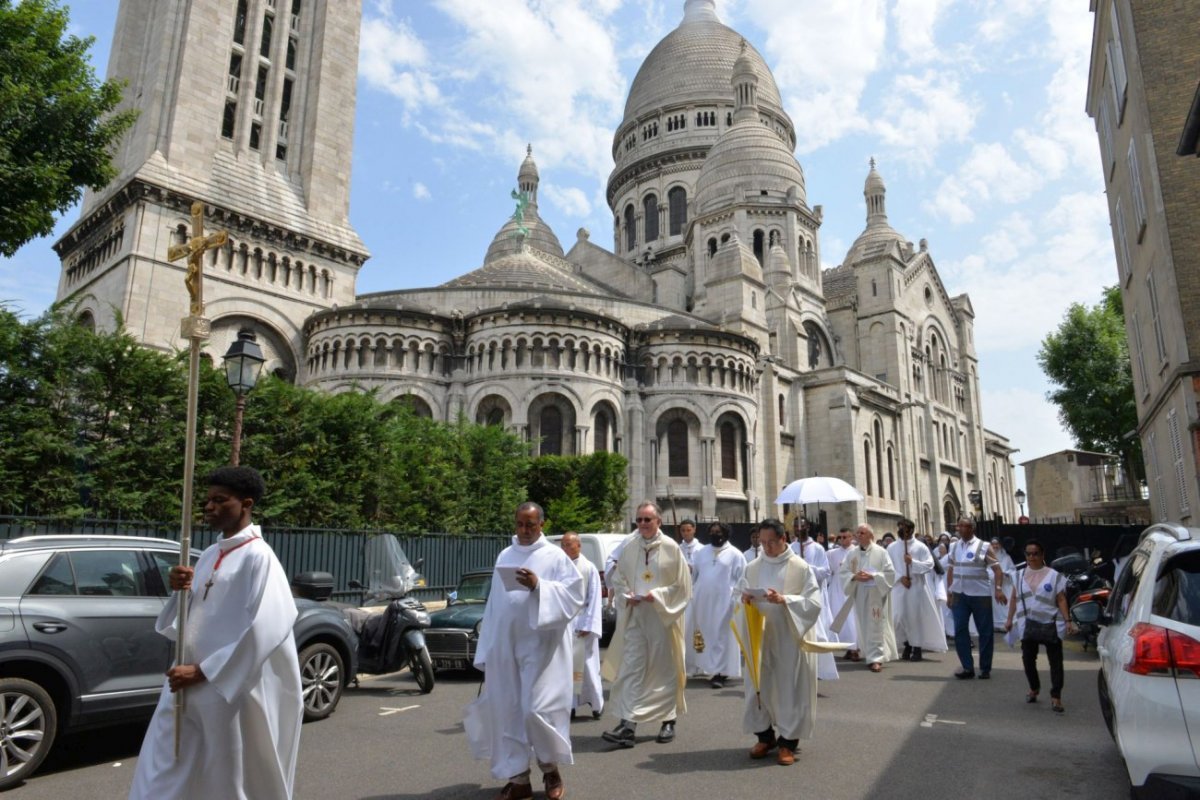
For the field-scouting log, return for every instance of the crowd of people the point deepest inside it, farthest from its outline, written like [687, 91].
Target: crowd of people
[775, 614]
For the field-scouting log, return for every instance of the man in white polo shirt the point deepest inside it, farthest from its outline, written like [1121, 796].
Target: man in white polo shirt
[970, 596]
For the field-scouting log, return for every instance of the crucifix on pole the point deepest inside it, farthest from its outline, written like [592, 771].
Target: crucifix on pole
[196, 329]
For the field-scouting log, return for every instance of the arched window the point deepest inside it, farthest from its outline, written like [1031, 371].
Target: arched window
[867, 466]
[495, 417]
[630, 228]
[677, 449]
[600, 445]
[551, 429]
[677, 205]
[758, 245]
[782, 414]
[712, 247]
[729, 450]
[891, 474]
[650, 209]
[878, 426]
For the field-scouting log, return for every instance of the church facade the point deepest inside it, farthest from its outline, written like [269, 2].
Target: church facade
[707, 345]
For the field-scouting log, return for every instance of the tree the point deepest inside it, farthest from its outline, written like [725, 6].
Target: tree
[585, 493]
[1087, 359]
[57, 126]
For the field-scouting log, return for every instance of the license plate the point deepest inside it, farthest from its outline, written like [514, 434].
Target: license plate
[450, 663]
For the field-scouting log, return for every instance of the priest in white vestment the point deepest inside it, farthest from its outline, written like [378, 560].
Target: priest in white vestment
[783, 588]
[241, 725]
[1008, 573]
[818, 560]
[716, 570]
[689, 546]
[916, 615]
[523, 713]
[868, 576]
[755, 549]
[837, 593]
[645, 657]
[586, 628]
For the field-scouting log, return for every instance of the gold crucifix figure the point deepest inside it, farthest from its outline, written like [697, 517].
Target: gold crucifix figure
[194, 250]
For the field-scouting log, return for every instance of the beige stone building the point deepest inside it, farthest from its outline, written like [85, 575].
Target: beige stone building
[1143, 78]
[1082, 486]
[708, 345]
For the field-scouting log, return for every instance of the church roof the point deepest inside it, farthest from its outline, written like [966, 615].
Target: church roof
[527, 268]
[878, 238]
[693, 63]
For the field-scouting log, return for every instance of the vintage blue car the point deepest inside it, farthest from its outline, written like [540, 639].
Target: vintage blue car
[453, 632]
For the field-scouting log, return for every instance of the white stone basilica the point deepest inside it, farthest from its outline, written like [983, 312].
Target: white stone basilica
[708, 346]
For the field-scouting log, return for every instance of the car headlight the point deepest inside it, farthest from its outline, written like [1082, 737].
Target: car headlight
[422, 617]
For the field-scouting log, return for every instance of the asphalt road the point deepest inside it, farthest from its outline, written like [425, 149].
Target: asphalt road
[909, 732]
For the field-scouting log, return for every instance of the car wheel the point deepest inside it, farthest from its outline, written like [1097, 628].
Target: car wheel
[321, 672]
[422, 669]
[28, 722]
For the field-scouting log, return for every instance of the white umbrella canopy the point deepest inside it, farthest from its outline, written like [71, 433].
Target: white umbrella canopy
[818, 490]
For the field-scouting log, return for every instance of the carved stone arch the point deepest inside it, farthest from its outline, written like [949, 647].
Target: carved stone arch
[606, 427]
[493, 409]
[820, 351]
[677, 431]
[732, 438]
[275, 340]
[952, 507]
[552, 419]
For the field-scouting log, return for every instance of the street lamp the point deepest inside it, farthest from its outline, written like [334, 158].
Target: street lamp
[756, 509]
[1020, 498]
[243, 362]
[976, 498]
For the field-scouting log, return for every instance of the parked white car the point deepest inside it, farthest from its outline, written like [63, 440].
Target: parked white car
[1150, 663]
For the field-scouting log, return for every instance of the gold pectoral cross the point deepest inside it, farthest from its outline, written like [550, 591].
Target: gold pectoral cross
[194, 250]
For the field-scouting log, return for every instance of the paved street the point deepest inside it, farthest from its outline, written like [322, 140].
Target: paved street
[909, 732]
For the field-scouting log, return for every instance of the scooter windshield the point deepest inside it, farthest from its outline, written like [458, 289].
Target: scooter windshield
[388, 570]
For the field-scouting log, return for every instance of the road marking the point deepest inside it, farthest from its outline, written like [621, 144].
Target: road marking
[384, 711]
[932, 718]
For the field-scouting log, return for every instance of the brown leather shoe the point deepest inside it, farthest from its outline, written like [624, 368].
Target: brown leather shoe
[554, 785]
[875, 666]
[786, 757]
[761, 749]
[516, 791]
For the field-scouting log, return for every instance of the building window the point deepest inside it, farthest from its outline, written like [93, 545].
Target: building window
[1135, 187]
[630, 228]
[1180, 464]
[867, 466]
[1124, 266]
[1140, 354]
[728, 451]
[1157, 491]
[255, 135]
[264, 48]
[239, 23]
[782, 414]
[1159, 342]
[600, 443]
[1116, 62]
[712, 247]
[1104, 123]
[650, 214]
[759, 244]
[878, 449]
[228, 119]
[677, 449]
[677, 210]
[891, 472]
[550, 426]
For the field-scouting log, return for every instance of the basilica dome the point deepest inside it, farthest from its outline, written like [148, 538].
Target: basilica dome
[692, 64]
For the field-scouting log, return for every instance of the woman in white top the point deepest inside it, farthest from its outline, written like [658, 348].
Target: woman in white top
[1040, 595]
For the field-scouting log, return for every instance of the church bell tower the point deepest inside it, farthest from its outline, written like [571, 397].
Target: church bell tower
[247, 106]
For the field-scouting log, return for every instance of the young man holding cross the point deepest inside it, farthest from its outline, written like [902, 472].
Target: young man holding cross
[241, 727]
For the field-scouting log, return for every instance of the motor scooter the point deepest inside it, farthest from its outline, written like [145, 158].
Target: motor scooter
[1086, 620]
[389, 624]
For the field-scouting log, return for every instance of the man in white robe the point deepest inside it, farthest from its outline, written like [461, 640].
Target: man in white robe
[916, 616]
[241, 724]
[818, 560]
[784, 590]
[868, 576]
[755, 549]
[586, 628]
[523, 712]
[688, 546]
[716, 569]
[645, 657]
[1008, 572]
[837, 594]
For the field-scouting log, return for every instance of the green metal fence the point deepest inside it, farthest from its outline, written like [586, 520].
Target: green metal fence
[340, 552]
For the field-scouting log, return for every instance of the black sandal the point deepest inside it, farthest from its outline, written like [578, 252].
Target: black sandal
[1056, 706]
[1031, 697]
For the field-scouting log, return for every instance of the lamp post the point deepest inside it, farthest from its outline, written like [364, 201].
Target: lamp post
[976, 498]
[1019, 496]
[756, 509]
[243, 362]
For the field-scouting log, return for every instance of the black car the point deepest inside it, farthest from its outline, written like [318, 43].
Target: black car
[453, 632]
[78, 648]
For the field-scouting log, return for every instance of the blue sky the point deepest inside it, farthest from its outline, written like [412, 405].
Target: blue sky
[972, 108]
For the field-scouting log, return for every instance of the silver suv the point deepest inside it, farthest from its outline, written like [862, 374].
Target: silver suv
[78, 648]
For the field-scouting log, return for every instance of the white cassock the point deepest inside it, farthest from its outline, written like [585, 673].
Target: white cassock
[752, 552]
[837, 595]
[716, 572]
[586, 647]
[787, 696]
[1007, 571]
[689, 550]
[818, 560]
[524, 651]
[916, 615]
[241, 726]
[872, 601]
[644, 661]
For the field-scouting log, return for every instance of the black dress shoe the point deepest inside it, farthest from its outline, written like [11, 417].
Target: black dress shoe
[572, 714]
[907, 653]
[916, 655]
[965, 674]
[983, 676]
[595, 715]
[717, 682]
[622, 735]
[666, 734]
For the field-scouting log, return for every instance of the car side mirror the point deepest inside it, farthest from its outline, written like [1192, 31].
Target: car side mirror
[1088, 613]
[353, 584]
[451, 598]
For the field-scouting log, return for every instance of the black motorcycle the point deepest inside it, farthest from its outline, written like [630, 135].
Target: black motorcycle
[390, 625]
[1082, 575]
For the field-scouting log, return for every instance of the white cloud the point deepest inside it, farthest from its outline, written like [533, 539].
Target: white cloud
[421, 191]
[392, 58]
[915, 24]
[920, 112]
[570, 200]
[1030, 422]
[989, 173]
[822, 55]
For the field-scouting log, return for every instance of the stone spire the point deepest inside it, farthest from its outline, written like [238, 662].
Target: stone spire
[527, 177]
[745, 87]
[875, 192]
[700, 11]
